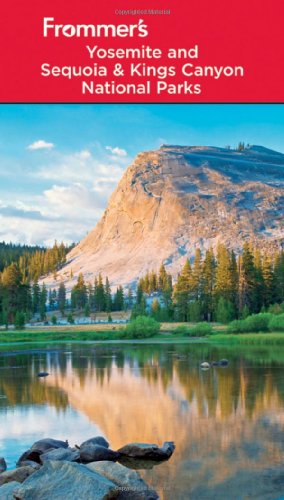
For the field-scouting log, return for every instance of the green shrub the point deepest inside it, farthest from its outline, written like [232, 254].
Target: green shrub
[252, 324]
[194, 311]
[276, 308]
[87, 310]
[276, 324]
[225, 311]
[141, 327]
[237, 326]
[258, 322]
[54, 319]
[70, 319]
[20, 320]
[181, 330]
[245, 312]
[200, 330]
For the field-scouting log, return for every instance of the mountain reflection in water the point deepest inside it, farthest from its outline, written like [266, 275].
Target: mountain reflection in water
[227, 423]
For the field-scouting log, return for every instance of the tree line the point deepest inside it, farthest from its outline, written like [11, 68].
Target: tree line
[21, 267]
[217, 286]
[33, 261]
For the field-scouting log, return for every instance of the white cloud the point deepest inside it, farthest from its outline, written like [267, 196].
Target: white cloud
[117, 151]
[63, 198]
[83, 155]
[82, 167]
[75, 202]
[40, 144]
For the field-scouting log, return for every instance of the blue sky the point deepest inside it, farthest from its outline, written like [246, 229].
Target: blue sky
[60, 163]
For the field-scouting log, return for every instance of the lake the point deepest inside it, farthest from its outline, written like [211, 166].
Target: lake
[227, 422]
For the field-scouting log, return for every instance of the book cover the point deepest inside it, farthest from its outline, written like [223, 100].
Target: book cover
[141, 250]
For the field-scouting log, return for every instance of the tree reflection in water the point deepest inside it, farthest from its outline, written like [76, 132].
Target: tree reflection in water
[227, 423]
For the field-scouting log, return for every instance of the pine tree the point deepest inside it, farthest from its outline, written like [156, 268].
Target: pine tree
[153, 282]
[156, 309]
[79, 293]
[61, 297]
[162, 278]
[119, 299]
[87, 310]
[91, 297]
[108, 297]
[100, 294]
[225, 311]
[20, 320]
[268, 281]
[194, 311]
[279, 277]
[248, 277]
[52, 298]
[129, 300]
[207, 284]
[195, 278]
[139, 294]
[182, 292]
[167, 297]
[35, 297]
[42, 302]
[224, 279]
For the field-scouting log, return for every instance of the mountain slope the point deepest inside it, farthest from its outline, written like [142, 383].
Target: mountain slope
[177, 198]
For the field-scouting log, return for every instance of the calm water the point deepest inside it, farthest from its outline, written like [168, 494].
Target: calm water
[227, 423]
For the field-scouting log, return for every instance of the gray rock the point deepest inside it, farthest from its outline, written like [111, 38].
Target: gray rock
[19, 474]
[95, 452]
[48, 443]
[30, 455]
[168, 448]
[3, 465]
[7, 490]
[223, 362]
[149, 451]
[130, 485]
[40, 447]
[138, 463]
[35, 465]
[205, 365]
[66, 480]
[61, 454]
[96, 440]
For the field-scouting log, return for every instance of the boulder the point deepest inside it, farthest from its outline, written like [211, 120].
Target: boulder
[96, 440]
[205, 365]
[61, 454]
[7, 490]
[30, 455]
[95, 452]
[3, 465]
[148, 451]
[33, 464]
[66, 480]
[19, 474]
[40, 447]
[130, 485]
[223, 362]
[138, 463]
[48, 443]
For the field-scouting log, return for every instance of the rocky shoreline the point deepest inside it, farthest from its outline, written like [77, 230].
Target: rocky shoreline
[52, 470]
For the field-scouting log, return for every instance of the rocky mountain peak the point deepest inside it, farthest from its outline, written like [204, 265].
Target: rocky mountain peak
[177, 198]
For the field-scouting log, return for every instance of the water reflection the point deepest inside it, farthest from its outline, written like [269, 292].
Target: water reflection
[227, 423]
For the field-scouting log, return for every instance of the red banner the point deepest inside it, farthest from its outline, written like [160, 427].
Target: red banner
[150, 51]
